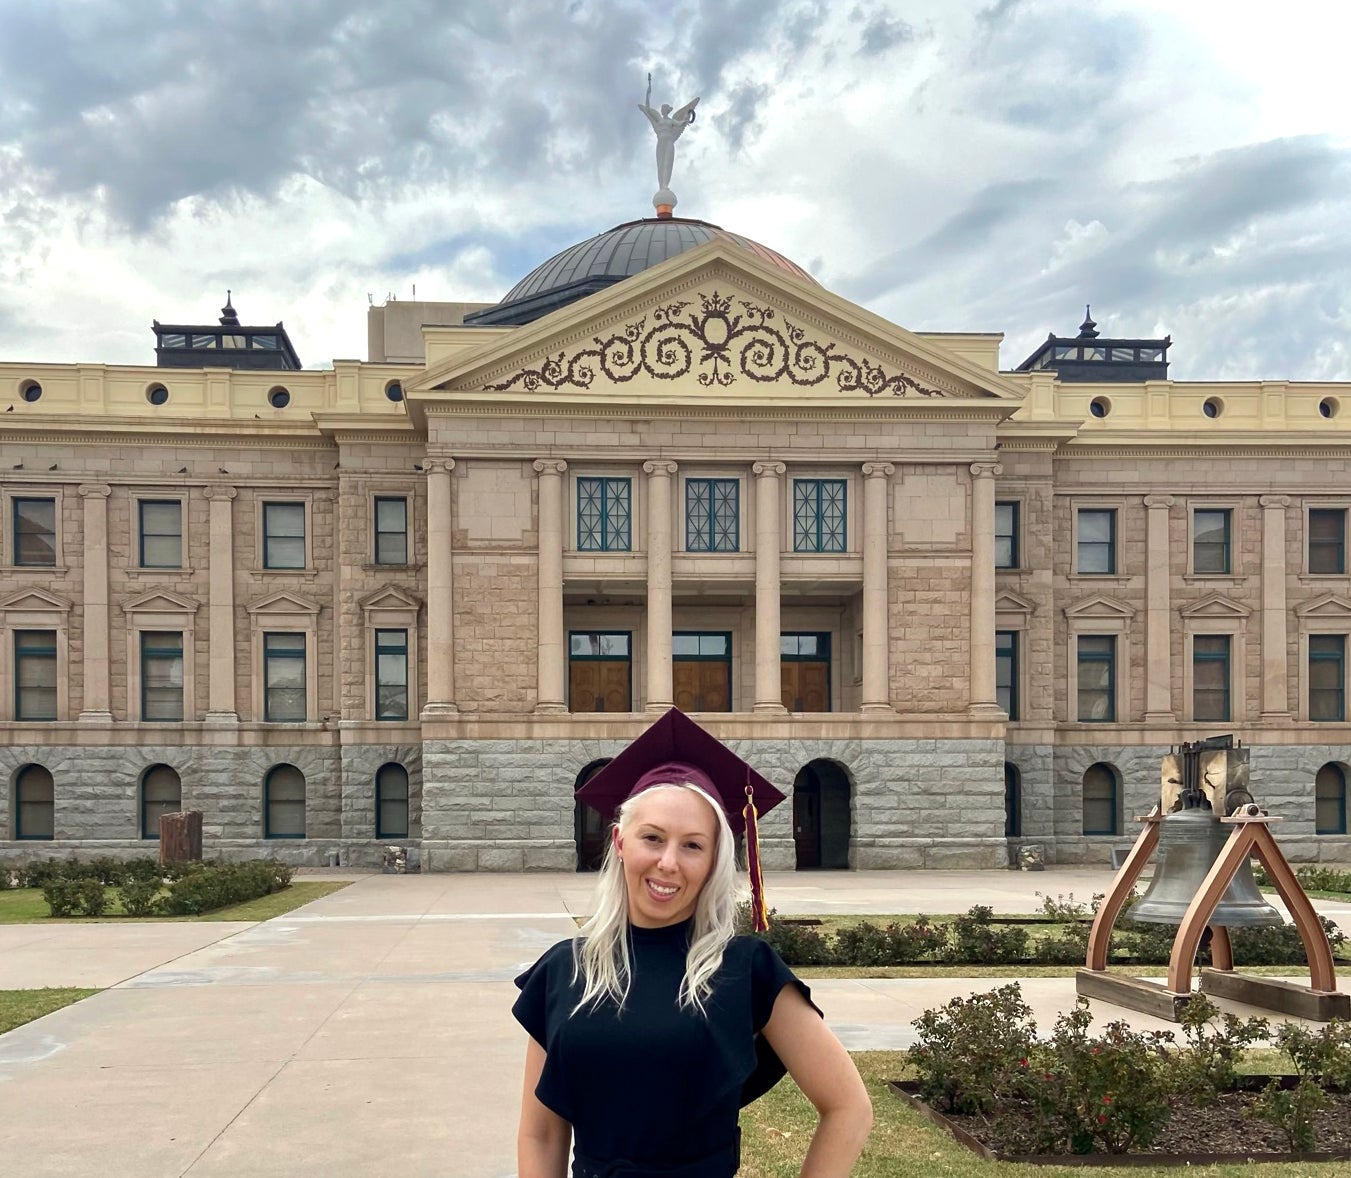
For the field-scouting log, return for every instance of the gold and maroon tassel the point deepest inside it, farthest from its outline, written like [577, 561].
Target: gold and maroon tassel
[759, 913]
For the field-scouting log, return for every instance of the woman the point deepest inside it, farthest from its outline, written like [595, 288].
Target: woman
[652, 1028]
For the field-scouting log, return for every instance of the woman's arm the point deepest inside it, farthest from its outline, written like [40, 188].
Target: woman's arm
[821, 1066]
[543, 1138]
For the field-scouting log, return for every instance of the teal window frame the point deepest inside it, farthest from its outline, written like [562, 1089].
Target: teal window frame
[1330, 804]
[1327, 540]
[1096, 550]
[1111, 800]
[604, 514]
[152, 530]
[24, 781]
[1096, 650]
[1006, 513]
[1006, 671]
[1210, 651]
[34, 649]
[160, 649]
[279, 650]
[391, 543]
[791, 650]
[1327, 651]
[28, 532]
[279, 534]
[1212, 557]
[712, 515]
[159, 805]
[391, 646]
[273, 805]
[820, 515]
[390, 801]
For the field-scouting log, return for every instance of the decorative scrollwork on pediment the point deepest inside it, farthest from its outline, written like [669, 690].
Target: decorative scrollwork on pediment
[715, 344]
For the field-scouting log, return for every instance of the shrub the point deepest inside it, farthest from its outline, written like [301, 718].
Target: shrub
[1068, 946]
[864, 944]
[1065, 909]
[1107, 1094]
[976, 940]
[1292, 1111]
[9, 877]
[42, 873]
[140, 896]
[204, 887]
[143, 867]
[798, 944]
[921, 940]
[969, 1051]
[1206, 1066]
[1324, 879]
[76, 897]
[1277, 944]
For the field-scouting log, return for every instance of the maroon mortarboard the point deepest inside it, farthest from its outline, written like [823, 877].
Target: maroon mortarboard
[675, 749]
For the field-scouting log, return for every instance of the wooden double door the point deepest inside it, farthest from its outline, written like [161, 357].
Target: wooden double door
[600, 685]
[806, 685]
[701, 685]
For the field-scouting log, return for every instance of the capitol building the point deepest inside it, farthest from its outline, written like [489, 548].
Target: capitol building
[949, 601]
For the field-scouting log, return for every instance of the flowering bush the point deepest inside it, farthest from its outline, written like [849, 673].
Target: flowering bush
[1208, 1065]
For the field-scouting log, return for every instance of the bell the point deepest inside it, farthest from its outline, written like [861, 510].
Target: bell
[1190, 841]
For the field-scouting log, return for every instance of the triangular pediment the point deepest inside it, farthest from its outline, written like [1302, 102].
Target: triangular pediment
[34, 600]
[161, 601]
[1329, 605]
[284, 602]
[1099, 606]
[389, 597]
[714, 324]
[1010, 603]
[1216, 605]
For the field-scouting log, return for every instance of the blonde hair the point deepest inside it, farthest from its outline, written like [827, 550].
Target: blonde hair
[600, 952]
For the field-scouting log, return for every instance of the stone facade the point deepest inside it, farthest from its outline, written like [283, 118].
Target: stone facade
[487, 440]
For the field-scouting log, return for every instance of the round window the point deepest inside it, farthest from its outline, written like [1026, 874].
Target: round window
[31, 391]
[1100, 406]
[157, 394]
[1328, 407]
[394, 391]
[279, 398]
[1213, 407]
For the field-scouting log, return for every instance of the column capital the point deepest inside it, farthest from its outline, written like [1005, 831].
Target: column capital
[550, 465]
[1274, 502]
[986, 470]
[225, 493]
[1159, 502]
[874, 470]
[768, 469]
[438, 465]
[660, 468]
[95, 490]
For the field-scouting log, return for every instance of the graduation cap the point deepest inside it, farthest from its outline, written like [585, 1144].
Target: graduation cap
[675, 750]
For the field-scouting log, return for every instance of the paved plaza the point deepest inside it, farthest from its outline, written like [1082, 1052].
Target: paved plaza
[370, 1031]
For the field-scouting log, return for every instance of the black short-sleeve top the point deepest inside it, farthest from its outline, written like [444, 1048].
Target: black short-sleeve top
[655, 1082]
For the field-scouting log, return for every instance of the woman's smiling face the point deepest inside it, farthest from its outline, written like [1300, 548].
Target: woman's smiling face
[667, 852]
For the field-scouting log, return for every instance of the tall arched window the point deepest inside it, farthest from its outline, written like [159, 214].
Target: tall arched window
[284, 803]
[391, 802]
[1102, 800]
[1013, 801]
[1330, 800]
[161, 793]
[34, 804]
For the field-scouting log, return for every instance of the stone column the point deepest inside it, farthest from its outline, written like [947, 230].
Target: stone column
[1275, 687]
[876, 628]
[768, 541]
[553, 663]
[97, 697]
[221, 608]
[1158, 623]
[659, 542]
[440, 593]
[984, 699]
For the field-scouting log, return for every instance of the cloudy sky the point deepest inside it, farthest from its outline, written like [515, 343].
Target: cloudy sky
[990, 165]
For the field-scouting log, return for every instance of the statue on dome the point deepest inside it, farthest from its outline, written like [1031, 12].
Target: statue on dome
[668, 125]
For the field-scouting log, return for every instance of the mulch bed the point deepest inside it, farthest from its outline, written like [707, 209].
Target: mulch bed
[1223, 1132]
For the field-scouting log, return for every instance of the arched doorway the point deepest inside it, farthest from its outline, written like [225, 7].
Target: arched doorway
[822, 796]
[589, 829]
[1013, 801]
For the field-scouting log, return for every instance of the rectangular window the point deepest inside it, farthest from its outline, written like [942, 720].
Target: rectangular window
[35, 674]
[284, 677]
[599, 672]
[819, 515]
[1327, 677]
[161, 533]
[161, 676]
[1097, 540]
[1097, 679]
[391, 674]
[283, 535]
[1006, 671]
[1327, 540]
[604, 515]
[804, 671]
[712, 515]
[34, 533]
[1210, 677]
[1211, 551]
[391, 529]
[1006, 535]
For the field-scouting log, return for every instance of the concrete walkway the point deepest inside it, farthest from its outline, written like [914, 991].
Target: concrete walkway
[370, 1031]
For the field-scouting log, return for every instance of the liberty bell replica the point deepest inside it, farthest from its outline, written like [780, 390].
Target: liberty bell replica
[1202, 780]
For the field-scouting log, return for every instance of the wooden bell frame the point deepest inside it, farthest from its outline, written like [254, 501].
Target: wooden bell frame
[1250, 833]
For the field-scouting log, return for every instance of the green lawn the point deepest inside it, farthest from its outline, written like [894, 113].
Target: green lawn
[26, 905]
[776, 1131]
[23, 1006]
